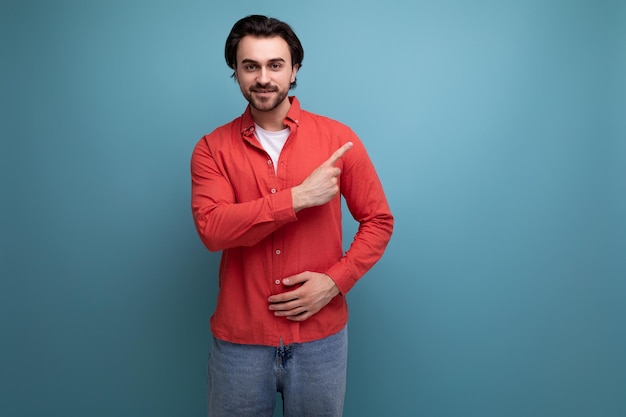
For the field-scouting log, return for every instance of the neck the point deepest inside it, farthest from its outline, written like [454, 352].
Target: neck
[272, 120]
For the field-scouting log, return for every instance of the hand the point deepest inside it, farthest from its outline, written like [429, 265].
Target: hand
[316, 291]
[321, 185]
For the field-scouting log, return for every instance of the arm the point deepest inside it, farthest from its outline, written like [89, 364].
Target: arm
[367, 203]
[221, 221]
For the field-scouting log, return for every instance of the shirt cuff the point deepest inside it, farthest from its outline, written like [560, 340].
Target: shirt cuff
[343, 277]
[282, 206]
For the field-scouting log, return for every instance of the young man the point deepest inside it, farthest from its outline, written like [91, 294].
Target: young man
[266, 192]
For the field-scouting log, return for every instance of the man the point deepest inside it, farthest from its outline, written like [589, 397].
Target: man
[266, 192]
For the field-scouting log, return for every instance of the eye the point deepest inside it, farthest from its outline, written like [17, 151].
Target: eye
[250, 67]
[276, 66]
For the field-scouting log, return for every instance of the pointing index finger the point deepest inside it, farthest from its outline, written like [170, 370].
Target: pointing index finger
[339, 153]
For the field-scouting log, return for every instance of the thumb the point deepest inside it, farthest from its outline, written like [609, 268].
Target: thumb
[295, 279]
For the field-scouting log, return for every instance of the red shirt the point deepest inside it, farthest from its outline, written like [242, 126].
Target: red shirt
[243, 207]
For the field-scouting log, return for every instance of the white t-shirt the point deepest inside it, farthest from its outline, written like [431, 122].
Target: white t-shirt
[272, 142]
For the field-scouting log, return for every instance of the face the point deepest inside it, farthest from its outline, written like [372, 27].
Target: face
[264, 71]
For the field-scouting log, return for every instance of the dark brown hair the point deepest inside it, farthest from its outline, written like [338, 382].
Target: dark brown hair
[264, 27]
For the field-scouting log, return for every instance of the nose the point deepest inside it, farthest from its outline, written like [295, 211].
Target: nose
[263, 77]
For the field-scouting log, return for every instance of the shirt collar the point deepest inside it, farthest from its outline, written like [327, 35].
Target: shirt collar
[292, 120]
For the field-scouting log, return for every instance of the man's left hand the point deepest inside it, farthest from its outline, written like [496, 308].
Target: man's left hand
[316, 290]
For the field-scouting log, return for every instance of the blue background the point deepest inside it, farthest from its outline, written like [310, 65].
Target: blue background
[498, 129]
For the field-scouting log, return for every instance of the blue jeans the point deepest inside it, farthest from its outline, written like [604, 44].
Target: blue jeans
[243, 379]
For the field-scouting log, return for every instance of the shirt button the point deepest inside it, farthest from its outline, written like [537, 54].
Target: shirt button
[277, 282]
[277, 251]
[269, 162]
[273, 190]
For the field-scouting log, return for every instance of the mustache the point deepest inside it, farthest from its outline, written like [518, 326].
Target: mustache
[258, 88]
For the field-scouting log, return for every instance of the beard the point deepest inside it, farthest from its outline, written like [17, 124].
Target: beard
[265, 103]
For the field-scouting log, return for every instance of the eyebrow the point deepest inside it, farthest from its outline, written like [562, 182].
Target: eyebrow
[252, 61]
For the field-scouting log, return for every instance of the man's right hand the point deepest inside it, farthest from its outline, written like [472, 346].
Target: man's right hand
[321, 185]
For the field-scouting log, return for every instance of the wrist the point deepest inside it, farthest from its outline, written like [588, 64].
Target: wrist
[333, 288]
[297, 199]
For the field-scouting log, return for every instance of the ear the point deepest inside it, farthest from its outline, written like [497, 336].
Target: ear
[294, 71]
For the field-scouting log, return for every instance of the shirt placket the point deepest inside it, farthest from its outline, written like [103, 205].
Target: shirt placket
[277, 240]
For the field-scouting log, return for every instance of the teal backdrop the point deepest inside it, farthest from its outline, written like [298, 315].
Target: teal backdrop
[498, 129]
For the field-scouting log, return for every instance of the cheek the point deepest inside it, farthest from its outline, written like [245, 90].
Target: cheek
[289, 78]
[243, 80]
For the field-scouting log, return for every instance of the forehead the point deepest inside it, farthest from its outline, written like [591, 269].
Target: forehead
[263, 49]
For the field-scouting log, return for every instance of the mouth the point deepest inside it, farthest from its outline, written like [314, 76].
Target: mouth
[263, 90]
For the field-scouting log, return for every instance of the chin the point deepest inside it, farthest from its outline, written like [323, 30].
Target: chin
[267, 105]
